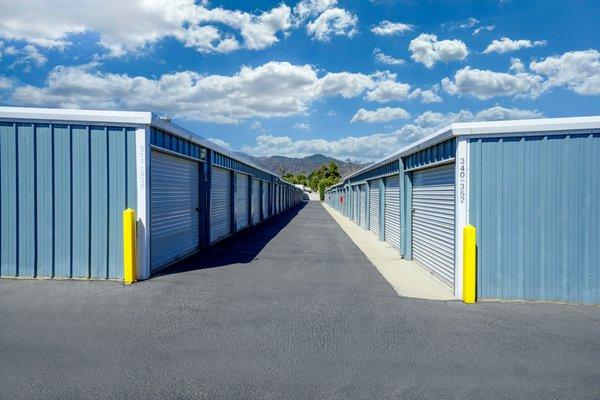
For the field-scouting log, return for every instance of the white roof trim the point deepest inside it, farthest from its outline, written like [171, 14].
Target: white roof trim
[67, 115]
[509, 127]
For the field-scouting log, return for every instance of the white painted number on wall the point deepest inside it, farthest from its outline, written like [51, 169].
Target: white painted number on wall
[462, 180]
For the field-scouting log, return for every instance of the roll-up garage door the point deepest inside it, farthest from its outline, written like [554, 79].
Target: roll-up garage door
[355, 204]
[265, 199]
[255, 201]
[374, 207]
[174, 208]
[433, 220]
[392, 211]
[220, 204]
[241, 201]
[363, 206]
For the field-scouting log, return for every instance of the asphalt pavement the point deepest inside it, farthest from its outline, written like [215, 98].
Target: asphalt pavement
[290, 309]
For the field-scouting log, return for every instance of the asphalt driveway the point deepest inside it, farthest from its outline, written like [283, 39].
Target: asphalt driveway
[288, 310]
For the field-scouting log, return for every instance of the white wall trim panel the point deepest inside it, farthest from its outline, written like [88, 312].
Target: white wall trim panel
[462, 209]
[142, 157]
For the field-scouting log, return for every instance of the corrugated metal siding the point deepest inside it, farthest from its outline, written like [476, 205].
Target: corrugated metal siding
[392, 211]
[265, 199]
[438, 153]
[382, 170]
[363, 206]
[535, 203]
[220, 204]
[241, 201]
[433, 220]
[255, 201]
[374, 206]
[174, 208]
[62, 192]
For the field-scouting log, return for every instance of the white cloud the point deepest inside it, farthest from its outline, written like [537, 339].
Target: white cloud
[386, 59]
[380, 115]
[579, 71]
[378, 145]
[387, 28]
[221, 143]
[5, 83]
[256, 126]
[303, 126]
[427, 50]
[389, 90]
[275, 89]
[332, 22]
[485, 84]
[27, 56]
[487, 28]
[193, 24]
[312, 8]
[505, 45]
[427, 95]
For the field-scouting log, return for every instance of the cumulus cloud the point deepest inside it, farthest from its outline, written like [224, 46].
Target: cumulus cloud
[578, 71]
[195, 25]
[5, 83]
[487, 28]
[256, 126]
[427, 95]
[428, 50]
[386, 59]
[27, 57]
[378, 145]
[385, 114]
[303, 126]
[311, 8]
[388, 28]
[485, 84]
[505, 45]
[275, 89]
[332, 22]
[221, 143]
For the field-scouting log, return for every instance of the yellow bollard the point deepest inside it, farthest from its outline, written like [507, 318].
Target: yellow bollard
[129, 247]
[469, 264]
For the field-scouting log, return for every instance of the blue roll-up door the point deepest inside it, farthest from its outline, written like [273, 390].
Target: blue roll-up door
[433, 220]
[392, 211]
[220, 204]
[174, 208]
[241, 202]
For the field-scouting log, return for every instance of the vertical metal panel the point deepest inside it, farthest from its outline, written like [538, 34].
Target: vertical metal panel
[534, 201]
[174, 208]
[220, 205]
[81, 201]
[61, 193]
[255, 201]
[265, 199]
[374, 205]
[433, 220]
[392, 211]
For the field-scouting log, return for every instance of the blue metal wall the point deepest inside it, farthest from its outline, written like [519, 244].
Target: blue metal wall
[535, 202]
[62, 192]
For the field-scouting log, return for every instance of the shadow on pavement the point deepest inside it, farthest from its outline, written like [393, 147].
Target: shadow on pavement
[240, 248]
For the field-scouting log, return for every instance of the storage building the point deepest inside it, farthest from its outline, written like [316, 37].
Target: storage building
[531, 188]
[67, 175]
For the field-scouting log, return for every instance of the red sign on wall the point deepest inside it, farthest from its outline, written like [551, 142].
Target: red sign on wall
[342, 199]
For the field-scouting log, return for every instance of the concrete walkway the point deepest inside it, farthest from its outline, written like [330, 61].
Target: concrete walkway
[289, 310]
[406, 277]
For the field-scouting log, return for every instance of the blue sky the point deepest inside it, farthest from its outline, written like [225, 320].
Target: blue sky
[350, 79]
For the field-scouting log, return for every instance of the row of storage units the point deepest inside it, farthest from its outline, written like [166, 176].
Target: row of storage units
[67, 175]
[531, 189]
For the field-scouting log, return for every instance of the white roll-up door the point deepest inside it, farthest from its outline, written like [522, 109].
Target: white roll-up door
[241, 201]
[355, 203]
[374, 206]
[392, 211]
[433, 220]
[255, 201]
[363, 206]
[220, 204]
[265, 199]
[174, 208]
